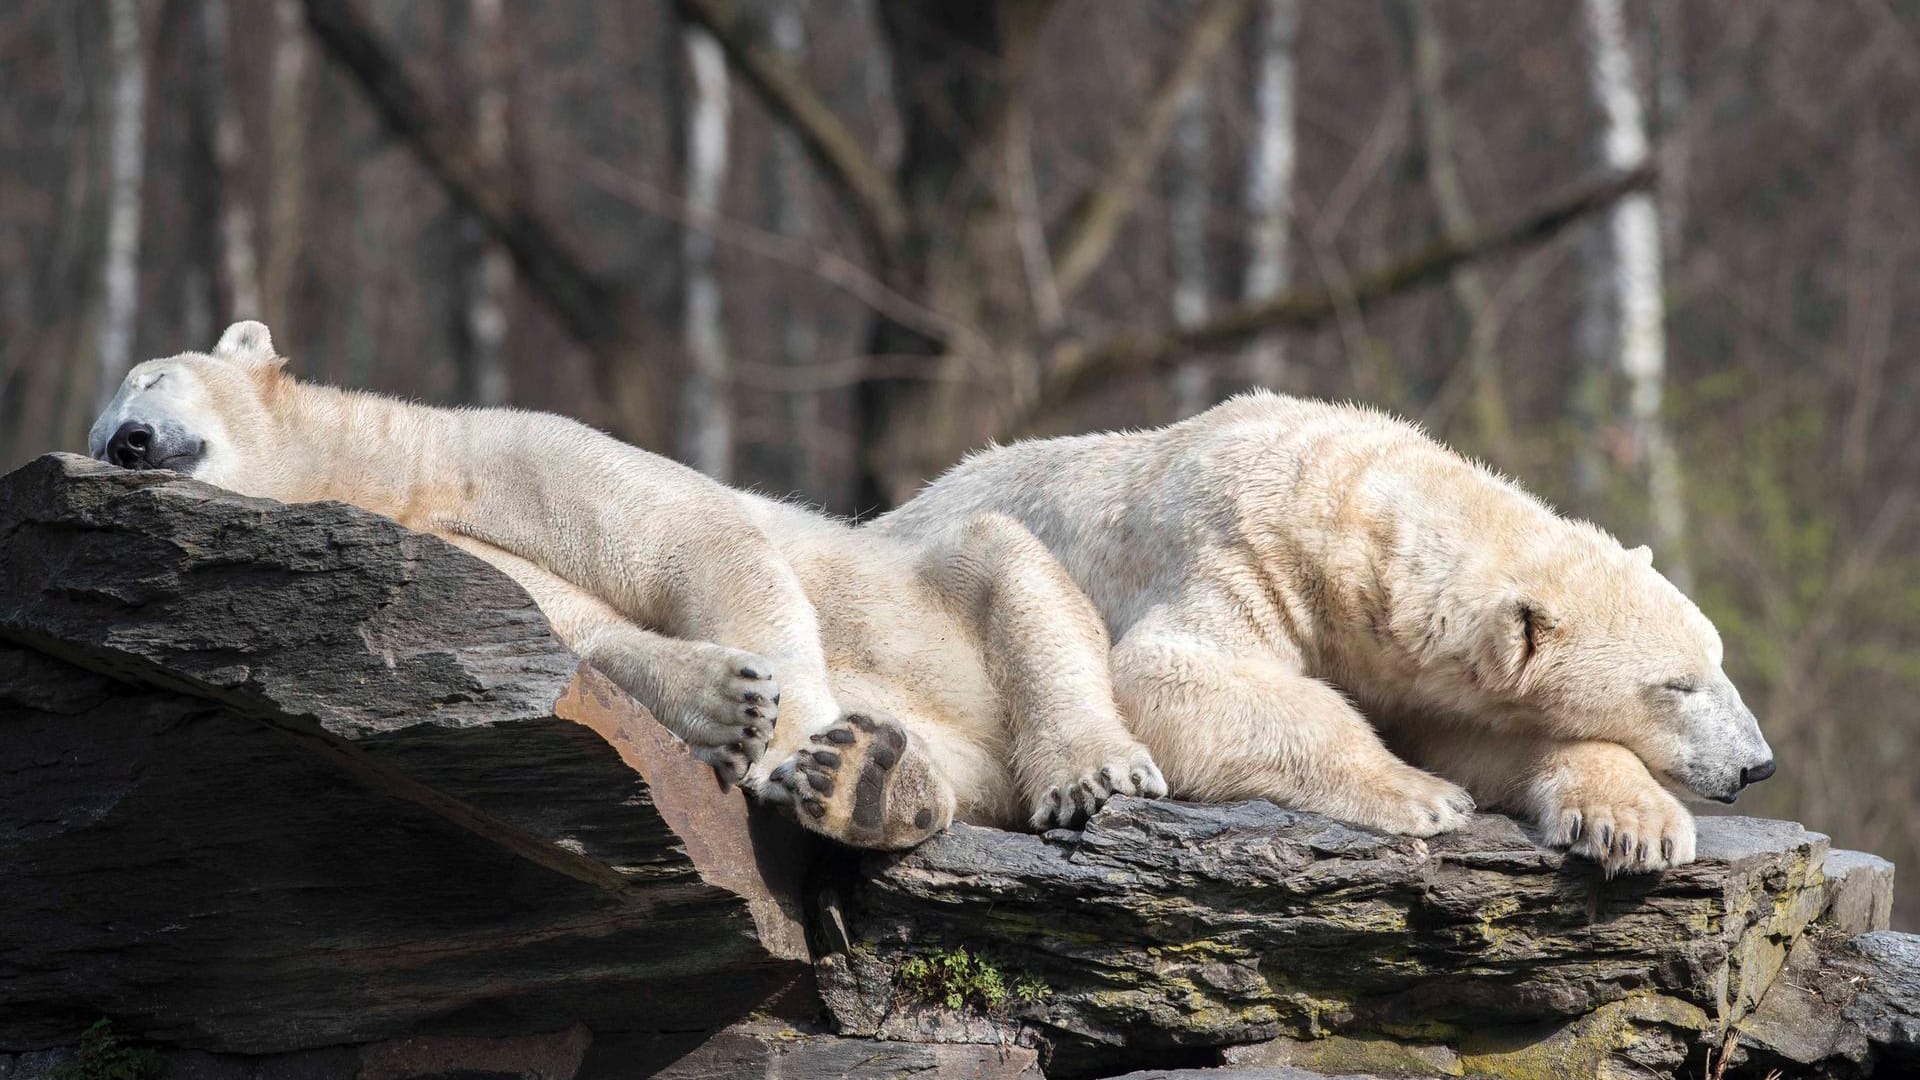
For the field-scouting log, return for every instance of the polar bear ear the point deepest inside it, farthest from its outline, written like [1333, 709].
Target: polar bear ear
[250, 344]
[1517, 629]
[1643, 555]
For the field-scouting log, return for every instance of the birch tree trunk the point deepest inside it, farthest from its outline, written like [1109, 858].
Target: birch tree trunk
[490, 280]
[125, 160]
[792, 217]
[286, 165]
[1270, 170]
[1624, 319]
[705, 428]
[1192, 146]
[239, 265]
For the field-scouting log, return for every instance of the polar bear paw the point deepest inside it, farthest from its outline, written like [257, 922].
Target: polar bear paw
[1633, 832]
[730, 704]
[1397, 798]
[866, 783]
[1126, 771]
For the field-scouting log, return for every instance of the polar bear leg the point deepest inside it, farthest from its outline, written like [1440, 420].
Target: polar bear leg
[721, 702]
[1225, 727]
[1048, 652]
[867, 782]
[1597, 799]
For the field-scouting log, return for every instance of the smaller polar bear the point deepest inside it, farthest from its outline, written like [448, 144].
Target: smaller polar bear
[974, 672]
[1274, 568]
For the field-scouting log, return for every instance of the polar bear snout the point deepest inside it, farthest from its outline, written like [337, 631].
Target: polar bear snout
[136, 444]
[130, 445]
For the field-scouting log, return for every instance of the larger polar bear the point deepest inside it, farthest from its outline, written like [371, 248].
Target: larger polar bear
[1277, 572]
[973, 674]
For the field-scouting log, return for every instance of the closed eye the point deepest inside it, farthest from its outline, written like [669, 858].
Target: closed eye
[155, 381]
[1682, 686]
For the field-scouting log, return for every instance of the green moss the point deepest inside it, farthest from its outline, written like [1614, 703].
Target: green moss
[956, 979]
[105, 1056]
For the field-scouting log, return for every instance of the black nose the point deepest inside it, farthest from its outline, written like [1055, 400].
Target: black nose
[1757, 773]
[129, 446]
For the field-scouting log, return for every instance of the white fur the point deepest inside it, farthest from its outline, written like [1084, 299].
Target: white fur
[1274, 568]
[703, 601]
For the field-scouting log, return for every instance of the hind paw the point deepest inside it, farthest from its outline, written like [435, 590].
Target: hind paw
[865, 783]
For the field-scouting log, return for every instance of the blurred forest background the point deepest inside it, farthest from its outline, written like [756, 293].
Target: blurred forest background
[1655, 258]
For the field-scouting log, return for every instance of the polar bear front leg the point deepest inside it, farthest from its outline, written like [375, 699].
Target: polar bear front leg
[721, 702]
[1596, 799]
[1227, 727]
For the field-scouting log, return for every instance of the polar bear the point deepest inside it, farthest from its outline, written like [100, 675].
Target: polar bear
[974, 672]
[1275, 568]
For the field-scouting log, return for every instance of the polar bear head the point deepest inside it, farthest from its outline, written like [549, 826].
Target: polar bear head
[204, 414]
[1593, 643]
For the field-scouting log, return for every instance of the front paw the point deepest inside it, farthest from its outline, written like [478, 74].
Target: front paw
[1399, 798]
[729, 710]
[1126, 771]
[1631, 831]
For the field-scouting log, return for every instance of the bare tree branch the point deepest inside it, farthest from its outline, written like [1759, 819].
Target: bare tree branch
[595, 313]
[861, 182]
[1087, 232]
[576, 294]
[1079, 368]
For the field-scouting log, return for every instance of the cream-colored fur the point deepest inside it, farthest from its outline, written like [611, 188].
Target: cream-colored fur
[881, 687]
[1276, 573]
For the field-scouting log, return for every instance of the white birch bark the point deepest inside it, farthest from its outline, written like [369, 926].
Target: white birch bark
[1624, 295]
[706, 409]
[792, 217]
[126, 151]
[286, 164]
[1192, 143]
[237, 252]
[1270, 170]
[492, 280]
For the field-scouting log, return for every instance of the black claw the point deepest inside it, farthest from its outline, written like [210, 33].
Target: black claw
[749, 733]
[750, 672]
[753, 697]
[753, 712]
[1666, 850]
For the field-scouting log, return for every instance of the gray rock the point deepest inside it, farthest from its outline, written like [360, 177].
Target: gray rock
[1877, 981]
[1859, 892]
[1165, 925]
[278, 777]
[790, 1052]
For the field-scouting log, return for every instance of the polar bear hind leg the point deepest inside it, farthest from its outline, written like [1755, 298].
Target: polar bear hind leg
[1044, 641]
[866, 782]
